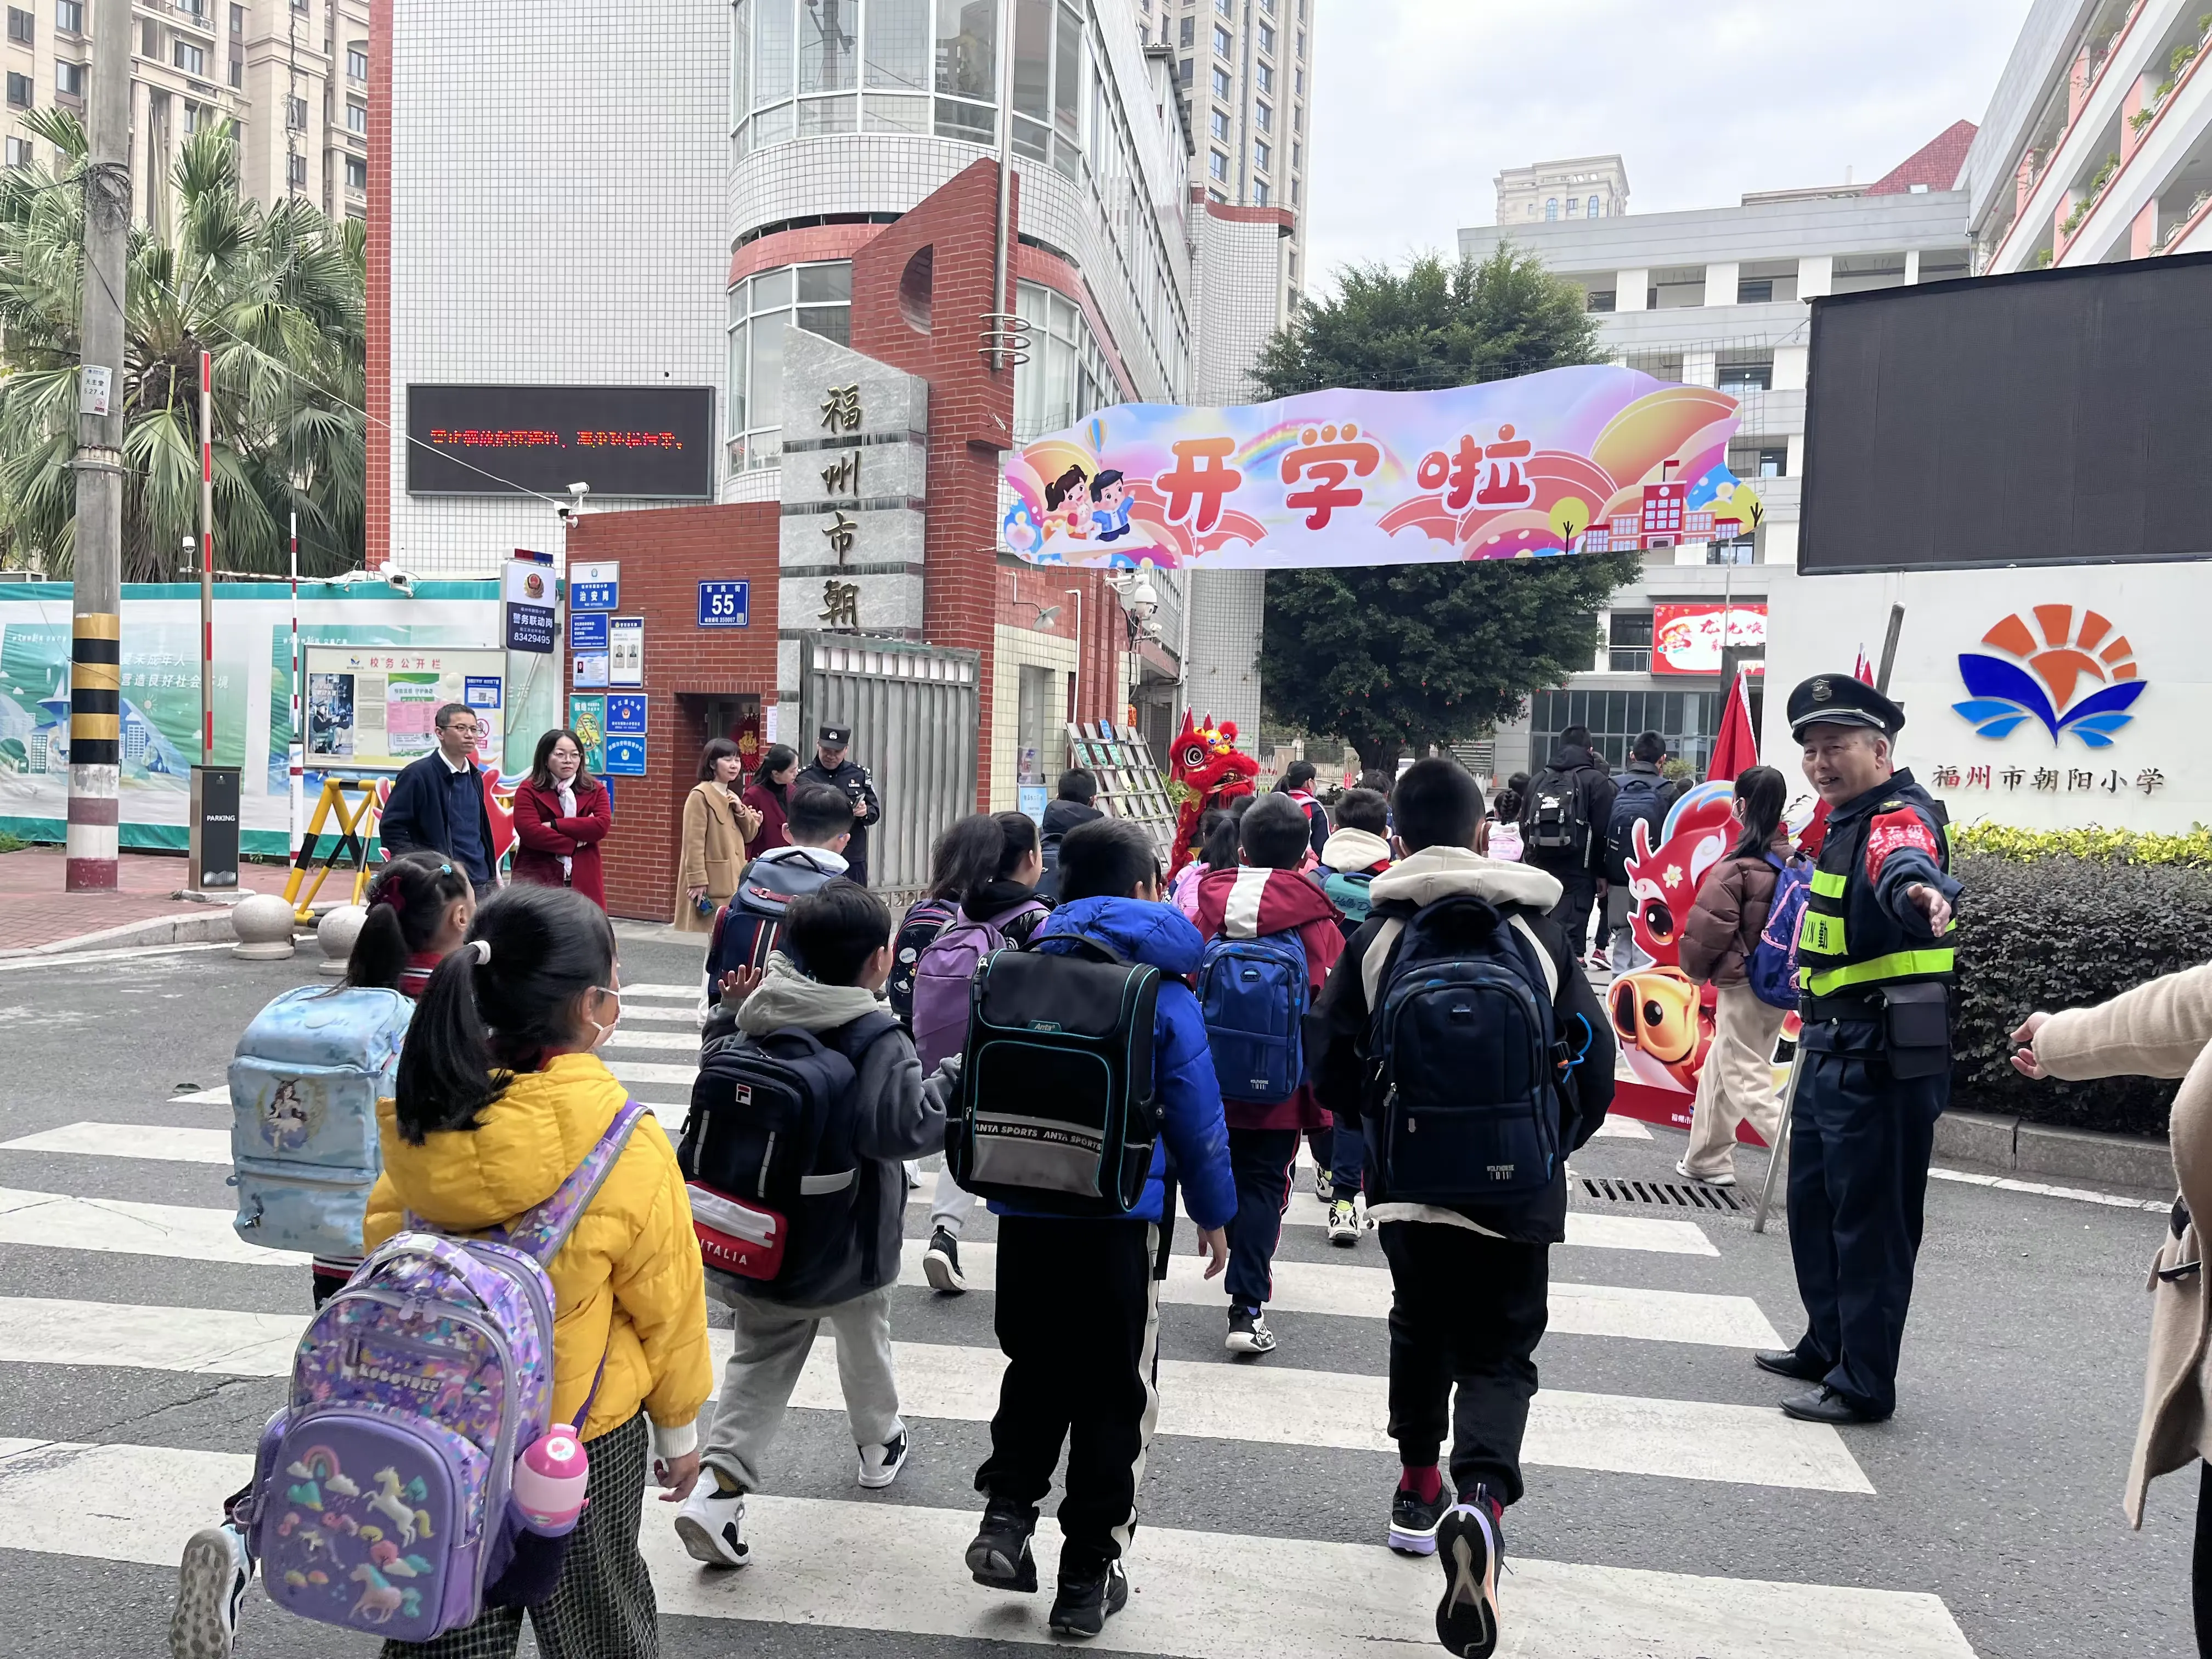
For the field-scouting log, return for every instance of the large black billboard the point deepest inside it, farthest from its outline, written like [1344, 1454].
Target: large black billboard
[2048, 418]
[651, 442]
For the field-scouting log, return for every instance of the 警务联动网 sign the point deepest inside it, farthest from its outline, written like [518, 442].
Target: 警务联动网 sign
[1572, 460]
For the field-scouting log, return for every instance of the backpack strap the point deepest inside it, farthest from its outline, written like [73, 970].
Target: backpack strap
[541, 1231]
[855, 1037]
[1384, 944]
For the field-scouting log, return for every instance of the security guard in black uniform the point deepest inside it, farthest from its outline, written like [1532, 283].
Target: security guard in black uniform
[829, 766]
[1874, 963]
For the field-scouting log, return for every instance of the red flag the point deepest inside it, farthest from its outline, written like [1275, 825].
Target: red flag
[1737, 747]
[1862, 671]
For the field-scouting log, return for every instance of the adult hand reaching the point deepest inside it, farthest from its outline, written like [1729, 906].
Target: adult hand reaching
[2024, 1061]
[1932, 904]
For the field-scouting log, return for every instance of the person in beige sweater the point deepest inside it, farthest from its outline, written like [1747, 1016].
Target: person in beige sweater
[2159, 1030]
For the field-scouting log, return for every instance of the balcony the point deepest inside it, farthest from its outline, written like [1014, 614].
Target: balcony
[2156, 157]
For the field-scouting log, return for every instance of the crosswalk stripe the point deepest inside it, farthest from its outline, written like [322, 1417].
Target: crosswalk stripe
[638, 1071]
[1687, 1440]
[684, 1016]
[671, 1042]
[1585, 1229]
[163, 1142]
[114, 1225]
[691, 993]
[892, 1567]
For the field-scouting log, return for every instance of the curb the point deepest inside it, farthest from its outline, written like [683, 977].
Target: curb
[154, 930]
[2014, 1145]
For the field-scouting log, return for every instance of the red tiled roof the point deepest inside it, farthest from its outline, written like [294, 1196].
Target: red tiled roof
[1935, 165]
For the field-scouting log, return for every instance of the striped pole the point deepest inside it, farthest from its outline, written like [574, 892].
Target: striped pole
[298, 749]
[207, 559]
[95, 751]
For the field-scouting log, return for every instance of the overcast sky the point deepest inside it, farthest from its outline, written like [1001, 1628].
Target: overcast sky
[1418, 104]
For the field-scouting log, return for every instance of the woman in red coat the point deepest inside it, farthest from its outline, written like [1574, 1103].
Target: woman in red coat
[768, 795]
[561, 814]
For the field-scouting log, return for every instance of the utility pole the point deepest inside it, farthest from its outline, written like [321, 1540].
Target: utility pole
[96, 599]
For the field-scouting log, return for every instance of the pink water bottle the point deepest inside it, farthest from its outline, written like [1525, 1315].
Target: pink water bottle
[548, 1481]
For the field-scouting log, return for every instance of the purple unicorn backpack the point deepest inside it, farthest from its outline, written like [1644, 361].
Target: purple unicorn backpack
[947, 970]
[382, 1497]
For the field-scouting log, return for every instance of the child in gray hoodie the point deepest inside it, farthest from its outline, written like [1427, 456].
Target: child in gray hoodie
[829, 975]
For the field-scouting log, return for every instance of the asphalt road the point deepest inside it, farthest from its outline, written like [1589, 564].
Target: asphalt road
[1997, 1488]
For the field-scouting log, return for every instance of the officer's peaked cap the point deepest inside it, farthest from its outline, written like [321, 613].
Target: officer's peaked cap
[1840, 700]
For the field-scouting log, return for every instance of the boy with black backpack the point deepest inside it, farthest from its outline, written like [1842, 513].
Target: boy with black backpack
[747, 930]
[1458, 1030]
[1271, 940]
[808, 1100]
[1086, 1067]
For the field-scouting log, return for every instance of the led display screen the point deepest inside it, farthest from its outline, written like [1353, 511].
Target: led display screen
[655, 443]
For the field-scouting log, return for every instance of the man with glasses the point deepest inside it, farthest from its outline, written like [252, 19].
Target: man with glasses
[438, 803]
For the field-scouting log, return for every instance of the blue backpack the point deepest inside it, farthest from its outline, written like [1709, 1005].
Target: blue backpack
[1252, 993]
[1772, 971]
[1347, 891]
[303, 1094]
[1466, 1060]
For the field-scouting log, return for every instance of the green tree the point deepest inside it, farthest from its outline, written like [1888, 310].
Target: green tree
[277, 294]
[1389, 655]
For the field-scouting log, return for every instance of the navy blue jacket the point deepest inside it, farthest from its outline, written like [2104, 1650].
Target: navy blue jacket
[1190, 1098]
[415, 816]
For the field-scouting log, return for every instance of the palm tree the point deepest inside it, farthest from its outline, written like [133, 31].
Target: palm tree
[275, 293]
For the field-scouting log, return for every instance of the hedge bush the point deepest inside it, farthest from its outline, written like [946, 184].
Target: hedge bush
[2053, 930]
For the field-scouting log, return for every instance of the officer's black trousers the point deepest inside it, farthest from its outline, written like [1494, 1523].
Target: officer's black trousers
[1860, 1142]
[2200, 1577]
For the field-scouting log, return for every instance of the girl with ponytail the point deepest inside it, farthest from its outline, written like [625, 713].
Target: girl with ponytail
[419, 909]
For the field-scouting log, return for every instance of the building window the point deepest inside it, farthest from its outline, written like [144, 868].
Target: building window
[1598, 299]
[1294, 192]
[357, 173]
[1067, 377]
[150, 41]
[20, 29]
[1226, 7]
[1263, 77]
[1629, 650]
[1687, 720]
[1263, 116]
[238, 71]
[20, 152]
[1260, 193]
[69, 80]
[1298, 82]
[1261, 156]
[1218, 124]
[818, 298]
[1302, 45]
[1748, 374]
[357, 119]
[1774, 462]
[1593, 207]
[1552, 207]
[295, 170]
[1220, 81]
[1266, 39]
[1218, 164]
[357, 63]
[296, 114]
[1182, 71]
[238, 19]
[1574, 207]
[1221, 42]
[1188, 33]
[69, 16]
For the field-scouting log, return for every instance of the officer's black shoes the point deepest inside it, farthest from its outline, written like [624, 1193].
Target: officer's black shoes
[1825, 1405]
[1788, 1362]
[1087, 1601]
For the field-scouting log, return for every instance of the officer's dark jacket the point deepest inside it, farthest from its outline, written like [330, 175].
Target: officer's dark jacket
[850, 780]
[1860, 930]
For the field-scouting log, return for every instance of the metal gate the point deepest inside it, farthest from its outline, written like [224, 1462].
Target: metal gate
[915, 714]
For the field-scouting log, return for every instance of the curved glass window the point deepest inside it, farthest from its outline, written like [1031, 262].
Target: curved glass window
[800, 68]
[814, 297]
[1067, 376]
[1550, 206]
[1593, 207]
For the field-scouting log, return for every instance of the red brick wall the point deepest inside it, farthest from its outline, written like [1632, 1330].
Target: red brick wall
[664, 555]
[377, 507]
[971, 408]
[799, 247]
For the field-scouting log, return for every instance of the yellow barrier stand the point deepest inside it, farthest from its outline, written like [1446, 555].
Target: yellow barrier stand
[356, 822]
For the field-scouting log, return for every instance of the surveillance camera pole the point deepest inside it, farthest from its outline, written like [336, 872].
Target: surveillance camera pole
[96, 588]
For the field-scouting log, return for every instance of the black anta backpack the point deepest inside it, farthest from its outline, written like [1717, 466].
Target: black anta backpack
[1555, 818]
[749, 928]
[927, 919]
[1058, 1113]
[1464, 1059]
[767, 1152]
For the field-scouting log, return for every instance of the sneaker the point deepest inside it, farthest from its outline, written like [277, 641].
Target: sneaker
[1601, 960]
[1343, 1221]
[1324, 1184]
[999, 1558]
[1469, 1545]
[1248, 1332]
[1083, 1605]
[913, 1173]
[211, 1582]
[879, 1464]
[940, 1264]
[1718, 1178]
[1413, 1521]
[711, 1525]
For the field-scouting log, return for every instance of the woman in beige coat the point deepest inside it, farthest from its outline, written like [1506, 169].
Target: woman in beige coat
[2159, 1030]
[716, 826]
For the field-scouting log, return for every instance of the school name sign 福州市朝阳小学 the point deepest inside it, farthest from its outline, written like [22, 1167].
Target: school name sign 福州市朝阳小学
[1572, 460]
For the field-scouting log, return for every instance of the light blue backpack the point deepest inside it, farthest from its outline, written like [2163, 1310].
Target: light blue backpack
[303, 1092]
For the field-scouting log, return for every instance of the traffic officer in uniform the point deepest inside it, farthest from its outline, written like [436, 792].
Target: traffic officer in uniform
[1874, 966]
[829, 766]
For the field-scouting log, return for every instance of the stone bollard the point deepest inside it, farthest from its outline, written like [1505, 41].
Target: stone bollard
[336, 933]
[263, 922]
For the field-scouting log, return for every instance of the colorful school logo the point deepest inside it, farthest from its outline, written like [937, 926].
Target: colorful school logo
[2078, 677]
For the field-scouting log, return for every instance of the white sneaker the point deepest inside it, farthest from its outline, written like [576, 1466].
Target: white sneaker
[711, 1525]
[1343, 1223]
[913, 1173]
[879, 1464]
[211, 1582]
[1718, 1178]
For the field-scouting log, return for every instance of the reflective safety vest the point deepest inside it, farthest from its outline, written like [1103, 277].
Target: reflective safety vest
[1847, 940]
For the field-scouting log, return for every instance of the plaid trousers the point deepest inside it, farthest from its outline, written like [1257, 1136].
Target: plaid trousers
[603, 1608]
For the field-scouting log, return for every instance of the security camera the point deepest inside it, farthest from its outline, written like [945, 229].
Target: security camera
[579, 490]
[401, 581]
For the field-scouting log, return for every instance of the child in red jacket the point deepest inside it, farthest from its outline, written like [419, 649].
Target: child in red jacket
[1265, 895]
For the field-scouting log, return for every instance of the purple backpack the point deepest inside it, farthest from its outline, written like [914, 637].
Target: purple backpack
[942, 978]
[380, 1500]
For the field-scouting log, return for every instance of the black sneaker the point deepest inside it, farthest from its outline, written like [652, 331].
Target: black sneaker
[1413, 1521]
[1247, 1332]
[940, 1264]
[1469, 1545]
[999, 1558]
[1083, 1605]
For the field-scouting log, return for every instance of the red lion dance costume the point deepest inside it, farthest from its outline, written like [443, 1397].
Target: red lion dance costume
[1205, 769]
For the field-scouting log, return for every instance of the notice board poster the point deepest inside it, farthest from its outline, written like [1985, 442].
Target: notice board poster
[377, 706]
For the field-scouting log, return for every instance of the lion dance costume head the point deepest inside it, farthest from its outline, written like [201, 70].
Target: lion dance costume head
[1205, 768]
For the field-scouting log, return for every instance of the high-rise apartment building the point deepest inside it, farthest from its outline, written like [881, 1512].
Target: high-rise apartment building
[292, 74]
[1584, 187]
[1246, 71]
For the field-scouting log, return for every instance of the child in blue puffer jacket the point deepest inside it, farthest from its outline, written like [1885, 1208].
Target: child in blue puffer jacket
[1078, 1300]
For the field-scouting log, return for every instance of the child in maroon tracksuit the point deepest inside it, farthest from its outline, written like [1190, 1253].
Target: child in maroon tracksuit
[1267, 894]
